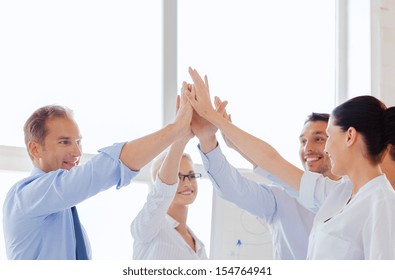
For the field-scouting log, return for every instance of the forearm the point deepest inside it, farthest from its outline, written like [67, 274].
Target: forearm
[258, 151]
[232, 186]
[168, 172]
[137, 153]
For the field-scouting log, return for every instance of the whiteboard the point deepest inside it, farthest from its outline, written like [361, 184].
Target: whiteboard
[237, 234]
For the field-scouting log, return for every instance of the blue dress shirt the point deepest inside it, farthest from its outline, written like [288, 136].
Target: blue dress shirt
[289, 222]
[37, 218]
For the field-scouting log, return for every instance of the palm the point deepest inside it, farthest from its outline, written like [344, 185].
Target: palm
[201, 127]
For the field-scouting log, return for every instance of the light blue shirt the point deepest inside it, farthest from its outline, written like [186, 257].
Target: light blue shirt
[37, 218]
[289, 222]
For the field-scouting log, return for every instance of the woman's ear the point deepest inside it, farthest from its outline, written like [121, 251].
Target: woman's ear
[351, 136]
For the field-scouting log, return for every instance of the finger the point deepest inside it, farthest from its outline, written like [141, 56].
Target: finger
[185, 101]
[191, 96]
[221, 108]
[206, 83]
[197, 80]
[178, 102]
[186, 87]
[183, 86]
[217, 102]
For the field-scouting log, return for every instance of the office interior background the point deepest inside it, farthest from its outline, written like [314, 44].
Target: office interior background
[119, 66]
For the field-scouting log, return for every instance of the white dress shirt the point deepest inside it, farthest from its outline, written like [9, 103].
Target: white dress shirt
[362, 228]
[289, 222]
[154, 231]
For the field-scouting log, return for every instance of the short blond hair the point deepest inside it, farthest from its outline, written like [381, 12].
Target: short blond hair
[157, 163]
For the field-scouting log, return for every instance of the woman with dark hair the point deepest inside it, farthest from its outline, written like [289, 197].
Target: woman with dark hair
[356, 219]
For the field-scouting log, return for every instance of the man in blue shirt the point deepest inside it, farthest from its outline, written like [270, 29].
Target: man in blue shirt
[289, 222]
[38, 220]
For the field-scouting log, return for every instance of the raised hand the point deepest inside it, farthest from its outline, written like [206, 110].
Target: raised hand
[184, 114]
[199, 96]
[219, 105]
[203, 129]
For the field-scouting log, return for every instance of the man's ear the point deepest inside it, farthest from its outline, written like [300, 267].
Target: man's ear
[351, 136]
[34, 149]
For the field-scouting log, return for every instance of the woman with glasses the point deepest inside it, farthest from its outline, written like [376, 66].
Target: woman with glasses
[160, 229]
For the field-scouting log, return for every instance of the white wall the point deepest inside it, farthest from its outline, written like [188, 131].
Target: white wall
[383, 46]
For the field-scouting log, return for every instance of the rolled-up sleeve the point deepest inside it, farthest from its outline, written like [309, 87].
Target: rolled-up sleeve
[45, 193]
[126, 174]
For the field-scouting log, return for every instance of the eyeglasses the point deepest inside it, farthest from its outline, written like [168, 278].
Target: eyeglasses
[190, 176]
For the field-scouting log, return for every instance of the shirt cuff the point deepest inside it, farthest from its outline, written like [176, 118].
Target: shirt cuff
[213, 160]
[113, 151]
[261, 172]
[127, 174]
[164, 189]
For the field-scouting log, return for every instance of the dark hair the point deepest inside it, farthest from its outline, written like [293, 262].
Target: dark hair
[314, 117]
[35, 128]
[371, 118]
[392, 153]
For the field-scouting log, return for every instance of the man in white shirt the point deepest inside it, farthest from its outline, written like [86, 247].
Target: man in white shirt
[290, 223]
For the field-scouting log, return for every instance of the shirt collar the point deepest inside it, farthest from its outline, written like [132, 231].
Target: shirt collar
[174, 224]
[172, 221]
[37, 171]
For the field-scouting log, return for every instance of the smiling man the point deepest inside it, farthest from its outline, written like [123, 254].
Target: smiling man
[312, 143]
[39, 215]
[289, 221]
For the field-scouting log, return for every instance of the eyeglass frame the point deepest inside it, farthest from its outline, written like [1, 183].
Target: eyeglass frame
[190, 176]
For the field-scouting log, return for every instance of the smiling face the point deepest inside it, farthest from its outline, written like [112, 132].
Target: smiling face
[61, 148]
[187, 188]
[312, 143]
[337, 149]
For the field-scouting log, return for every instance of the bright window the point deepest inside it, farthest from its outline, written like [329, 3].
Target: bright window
[274, 61]
[103, 59]
[100, 58]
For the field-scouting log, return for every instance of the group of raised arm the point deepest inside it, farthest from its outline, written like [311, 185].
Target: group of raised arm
[349, 222]
[342, 206]
[160, 229]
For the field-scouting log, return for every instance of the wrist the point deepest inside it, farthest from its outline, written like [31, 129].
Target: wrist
[182, 142]
[208, 144]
